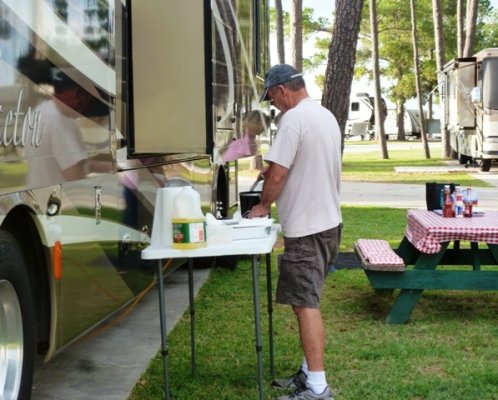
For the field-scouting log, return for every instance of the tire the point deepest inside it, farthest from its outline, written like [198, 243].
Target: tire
[17, 316]
[486, 165]
[463, 159]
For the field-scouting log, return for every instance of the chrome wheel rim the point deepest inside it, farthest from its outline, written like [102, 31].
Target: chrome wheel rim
[11, 342]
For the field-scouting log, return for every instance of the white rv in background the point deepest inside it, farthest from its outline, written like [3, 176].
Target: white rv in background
[471, 107]
[361, 116]
[411, 122]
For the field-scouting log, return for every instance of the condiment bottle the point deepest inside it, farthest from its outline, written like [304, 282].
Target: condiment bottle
[459, 206]
[448, 203]
[468, 204]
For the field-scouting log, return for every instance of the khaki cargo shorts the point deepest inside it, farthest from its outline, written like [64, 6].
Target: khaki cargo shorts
[304, 265]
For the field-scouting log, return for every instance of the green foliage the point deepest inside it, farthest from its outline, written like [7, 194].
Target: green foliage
[286, 22]
[488, 31]
[319, 28]
[395, 43]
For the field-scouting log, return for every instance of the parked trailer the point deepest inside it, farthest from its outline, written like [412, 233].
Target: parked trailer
[101, 103]
[361, 116]
[411, 123]
[471, 107]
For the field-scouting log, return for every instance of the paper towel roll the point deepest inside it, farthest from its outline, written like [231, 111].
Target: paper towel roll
[162, 234]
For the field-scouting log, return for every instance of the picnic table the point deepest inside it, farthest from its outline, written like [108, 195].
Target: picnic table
[426, 249]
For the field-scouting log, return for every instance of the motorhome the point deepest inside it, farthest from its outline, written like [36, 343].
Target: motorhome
[470, 106]
[411, 123]
[102, 103]
[361, 116]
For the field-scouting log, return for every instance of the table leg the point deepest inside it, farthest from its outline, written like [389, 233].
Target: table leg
[270, 312]
[402, 309]
[257, 323]
[164, 334]
[493, 248]
[408, 298]
[192, 314]
[476, 262]
[407, 251]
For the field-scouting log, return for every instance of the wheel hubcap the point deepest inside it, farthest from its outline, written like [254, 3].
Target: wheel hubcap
[11, 342]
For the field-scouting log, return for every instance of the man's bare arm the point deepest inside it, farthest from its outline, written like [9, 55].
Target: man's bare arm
[275, 177]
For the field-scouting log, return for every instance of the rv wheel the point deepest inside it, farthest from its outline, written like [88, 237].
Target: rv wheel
[486, 165]
[463, 159]
[17, 341]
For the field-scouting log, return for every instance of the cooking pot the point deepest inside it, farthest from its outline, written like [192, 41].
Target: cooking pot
[248, 200]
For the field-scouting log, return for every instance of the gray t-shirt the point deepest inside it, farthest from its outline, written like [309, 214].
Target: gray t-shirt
[308, 143]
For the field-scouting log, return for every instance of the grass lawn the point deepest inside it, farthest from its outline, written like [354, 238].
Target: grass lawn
[369, 167]
[447, 351]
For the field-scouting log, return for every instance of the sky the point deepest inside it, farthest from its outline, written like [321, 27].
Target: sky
[322, 8]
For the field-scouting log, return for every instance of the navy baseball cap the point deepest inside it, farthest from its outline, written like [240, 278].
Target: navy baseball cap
[277, 75]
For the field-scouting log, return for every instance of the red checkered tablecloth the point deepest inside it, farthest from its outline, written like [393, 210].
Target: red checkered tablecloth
[426, 229]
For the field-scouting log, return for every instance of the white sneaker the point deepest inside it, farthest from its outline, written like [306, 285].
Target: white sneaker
[308, 394]
[296, 381]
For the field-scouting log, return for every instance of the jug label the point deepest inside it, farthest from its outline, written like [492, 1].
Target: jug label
[189, 232]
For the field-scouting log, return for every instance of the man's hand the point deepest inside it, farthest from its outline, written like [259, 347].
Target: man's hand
[275, 177]
[259, 210]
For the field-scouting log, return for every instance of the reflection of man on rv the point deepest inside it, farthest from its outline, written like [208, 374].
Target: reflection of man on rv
[361, 117]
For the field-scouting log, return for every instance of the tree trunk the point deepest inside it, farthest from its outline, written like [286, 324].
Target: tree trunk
[460, 32]
[423, 133]
[379, 109]
[280, 31]
[470, 27]
[440, 61]
[297, 34]
[400, 118]
[341, 60]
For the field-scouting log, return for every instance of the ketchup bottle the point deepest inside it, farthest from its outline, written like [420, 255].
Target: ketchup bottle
[448, 203]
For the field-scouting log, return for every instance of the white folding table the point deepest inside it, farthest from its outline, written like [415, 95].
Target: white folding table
[253, 247]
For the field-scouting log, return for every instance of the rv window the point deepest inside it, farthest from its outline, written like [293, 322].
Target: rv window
[355, 106]
[489, 77]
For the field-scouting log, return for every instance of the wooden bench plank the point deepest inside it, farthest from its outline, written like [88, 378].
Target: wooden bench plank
[377, 255]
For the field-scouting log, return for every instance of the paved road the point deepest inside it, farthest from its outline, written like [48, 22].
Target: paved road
[402, 195]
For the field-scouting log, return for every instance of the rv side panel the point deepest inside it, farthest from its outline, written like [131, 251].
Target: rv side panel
[169, 90]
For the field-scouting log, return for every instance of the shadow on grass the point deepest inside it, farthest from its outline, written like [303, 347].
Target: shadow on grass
[433, 306]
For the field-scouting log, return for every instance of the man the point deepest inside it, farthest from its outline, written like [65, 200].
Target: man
[303, 178]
